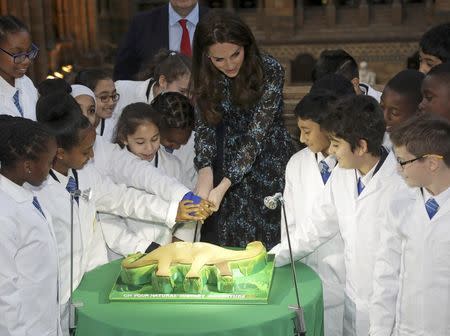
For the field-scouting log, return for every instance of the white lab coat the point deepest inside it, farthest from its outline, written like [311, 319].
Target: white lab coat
[29, 266]
[28, 97]
[128, 235]
[387, 143]
[303, 186]
[124, 167]
[135, 92]
[186, 154]
[132, 92]
[411, 295]
[358, 219]
[89, 244]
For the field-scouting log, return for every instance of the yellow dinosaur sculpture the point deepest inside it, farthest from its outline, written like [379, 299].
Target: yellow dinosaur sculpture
[195, 254]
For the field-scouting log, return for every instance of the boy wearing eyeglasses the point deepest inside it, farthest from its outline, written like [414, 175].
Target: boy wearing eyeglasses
[411, 293]
[18, 95]
[351, 204]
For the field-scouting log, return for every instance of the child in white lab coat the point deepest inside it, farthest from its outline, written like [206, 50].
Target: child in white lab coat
[352, 202]
[137, 130]
[72, 171]
[307, 172]
[18, 95]
[127, 168]
[411, 279]
[176, 124]
[28, 251]
[168, 71]
[338, 61]
[106, 98]
[400, 99]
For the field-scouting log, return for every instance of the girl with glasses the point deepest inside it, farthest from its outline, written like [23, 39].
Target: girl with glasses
[106, 98]
[18, 95]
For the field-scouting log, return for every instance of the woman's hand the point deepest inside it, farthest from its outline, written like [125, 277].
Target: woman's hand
[216, 195]
[204, 182]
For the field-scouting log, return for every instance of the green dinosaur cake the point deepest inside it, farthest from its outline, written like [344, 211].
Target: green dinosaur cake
[197, 268]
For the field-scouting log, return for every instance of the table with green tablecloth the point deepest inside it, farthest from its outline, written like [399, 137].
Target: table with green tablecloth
[100, 317]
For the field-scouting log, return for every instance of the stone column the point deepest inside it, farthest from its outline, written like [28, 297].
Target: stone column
[279, 18]
[299, 14]
[429, 11]
[229, 5]
[363, 12]
[330, 13]
[442, 5]
[397, 12]
[37, 27]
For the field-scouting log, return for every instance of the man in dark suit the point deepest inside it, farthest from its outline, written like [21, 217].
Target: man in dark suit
[152, 30]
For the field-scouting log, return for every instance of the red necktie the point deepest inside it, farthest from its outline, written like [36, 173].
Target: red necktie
[185, 46]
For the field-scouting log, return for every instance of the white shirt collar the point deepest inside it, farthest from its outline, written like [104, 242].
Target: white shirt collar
[330, 160]
[366, 178]
[18, 193]
[7, 89]
[192, 17]
[61, 178]
[441, 199]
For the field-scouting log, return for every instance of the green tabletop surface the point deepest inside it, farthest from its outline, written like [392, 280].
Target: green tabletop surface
[100, 317]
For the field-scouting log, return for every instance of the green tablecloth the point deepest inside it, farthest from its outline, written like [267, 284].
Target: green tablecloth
[100, 317]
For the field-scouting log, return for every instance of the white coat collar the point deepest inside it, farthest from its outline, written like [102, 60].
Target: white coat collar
[443, 199]
[18, 193]
[388, 168]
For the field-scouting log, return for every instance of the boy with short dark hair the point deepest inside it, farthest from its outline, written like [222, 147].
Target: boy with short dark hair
[436, 91]
[434, 47]
[400, 99]
[411, 278]
[351, 204]
[307, 173]
[338, 61]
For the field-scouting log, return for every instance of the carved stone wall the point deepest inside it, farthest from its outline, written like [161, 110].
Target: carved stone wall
[385, 59]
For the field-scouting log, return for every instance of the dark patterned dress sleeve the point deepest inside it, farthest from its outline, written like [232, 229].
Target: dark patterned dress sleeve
[248, 145]
[205, 143]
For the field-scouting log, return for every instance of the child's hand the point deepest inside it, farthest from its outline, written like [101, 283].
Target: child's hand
[188, 211]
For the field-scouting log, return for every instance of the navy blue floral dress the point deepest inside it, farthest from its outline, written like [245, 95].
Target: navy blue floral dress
[251, 147]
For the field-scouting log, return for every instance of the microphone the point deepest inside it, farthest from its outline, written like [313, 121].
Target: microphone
[86, 195]
[271, 202]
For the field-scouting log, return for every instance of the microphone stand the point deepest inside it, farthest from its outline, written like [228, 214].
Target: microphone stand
[86, 195]
[271, 202]
[299, 321]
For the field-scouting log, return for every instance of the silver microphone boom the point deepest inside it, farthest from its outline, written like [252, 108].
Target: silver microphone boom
[271, 202]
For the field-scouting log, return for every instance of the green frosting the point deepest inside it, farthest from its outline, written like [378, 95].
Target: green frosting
[210, 278]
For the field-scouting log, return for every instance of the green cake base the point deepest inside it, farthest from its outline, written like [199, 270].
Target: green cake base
[246, 289]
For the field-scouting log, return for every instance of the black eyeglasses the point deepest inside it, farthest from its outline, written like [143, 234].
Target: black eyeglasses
[20, 57]
[105, 98]
[403, 163]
